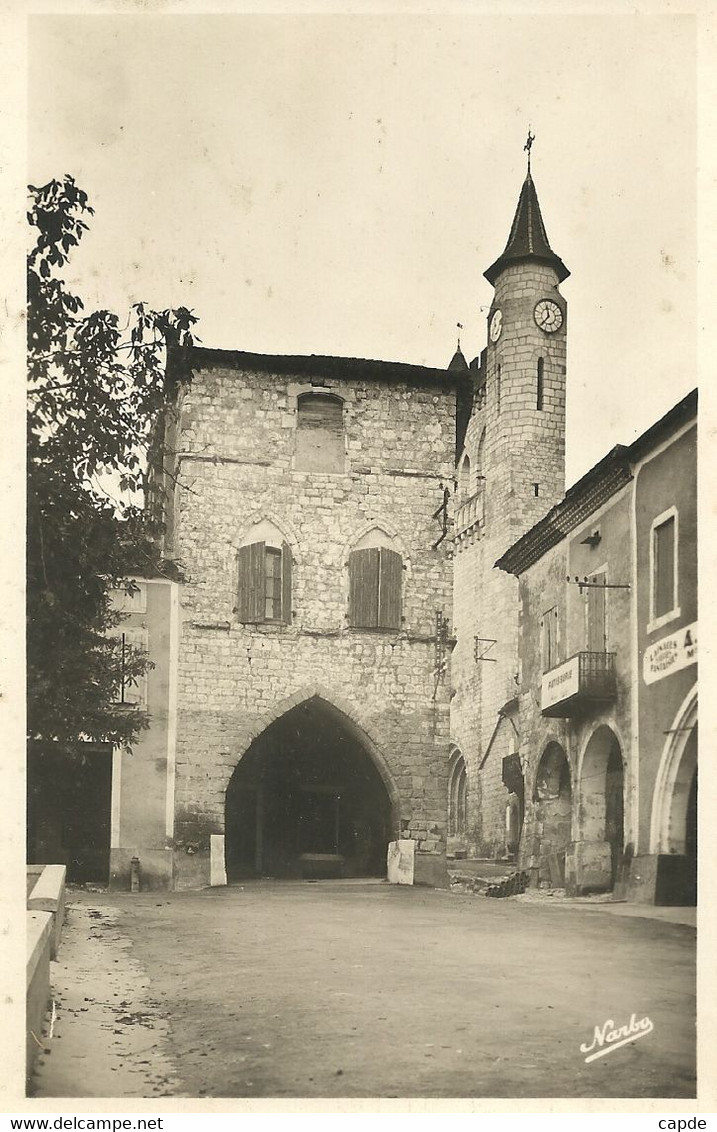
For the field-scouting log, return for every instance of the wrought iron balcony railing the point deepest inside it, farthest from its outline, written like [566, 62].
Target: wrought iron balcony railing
[586, 678]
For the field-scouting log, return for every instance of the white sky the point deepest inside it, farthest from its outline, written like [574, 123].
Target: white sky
[337, 184]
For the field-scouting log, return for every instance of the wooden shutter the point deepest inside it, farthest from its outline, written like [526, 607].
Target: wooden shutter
[251, 597]
[286, 583]
[363, 588]
[596, 613]
[389, 591]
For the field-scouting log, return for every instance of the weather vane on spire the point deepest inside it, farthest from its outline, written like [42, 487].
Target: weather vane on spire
[459, 326]
[529, 145]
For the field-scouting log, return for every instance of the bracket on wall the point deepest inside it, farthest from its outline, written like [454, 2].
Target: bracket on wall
[584, 584]
[481, 653]
[441, 513]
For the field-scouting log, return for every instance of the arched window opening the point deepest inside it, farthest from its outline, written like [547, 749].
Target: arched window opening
[375, 583]
[264, 568]
[539, 394]
[319, 433]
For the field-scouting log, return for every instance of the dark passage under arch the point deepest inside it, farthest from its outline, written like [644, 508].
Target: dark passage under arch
[307, 800]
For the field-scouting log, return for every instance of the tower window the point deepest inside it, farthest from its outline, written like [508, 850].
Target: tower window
[539, 385]
[497, 389]
[536, 489]
[319, 433]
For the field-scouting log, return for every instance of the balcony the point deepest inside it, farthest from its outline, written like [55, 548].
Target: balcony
[469, 514]
[587, 678]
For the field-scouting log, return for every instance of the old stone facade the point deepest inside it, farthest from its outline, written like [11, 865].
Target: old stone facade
[323, 525]
[608, 648]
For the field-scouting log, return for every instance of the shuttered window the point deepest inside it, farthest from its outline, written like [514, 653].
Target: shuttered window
[663, 580]
[264, 583]
[375, 588]
[549, 633]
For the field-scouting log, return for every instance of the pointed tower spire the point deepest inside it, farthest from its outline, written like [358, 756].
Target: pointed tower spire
[528, 238]
[458, 361]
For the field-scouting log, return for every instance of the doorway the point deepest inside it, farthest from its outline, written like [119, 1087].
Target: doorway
[307, 800]
[601, 812]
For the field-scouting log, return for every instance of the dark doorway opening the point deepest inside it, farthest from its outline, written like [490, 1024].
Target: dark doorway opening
[69, 795]
[307, 800]
[614, 811]
[690, 893]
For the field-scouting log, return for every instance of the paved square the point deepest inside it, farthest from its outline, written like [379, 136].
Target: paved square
[352, 990]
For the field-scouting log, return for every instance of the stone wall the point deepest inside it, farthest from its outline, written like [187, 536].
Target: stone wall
[236, 445]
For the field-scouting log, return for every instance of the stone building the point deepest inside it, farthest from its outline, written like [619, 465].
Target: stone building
[341, 665]
[607, 704]
[306, 509]
[511, 469]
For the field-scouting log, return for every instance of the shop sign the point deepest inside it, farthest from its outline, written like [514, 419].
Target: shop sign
[560, 683]
[670, 654]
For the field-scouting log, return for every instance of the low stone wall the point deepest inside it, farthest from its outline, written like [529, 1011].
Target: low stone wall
[48, 895]
[39, 947]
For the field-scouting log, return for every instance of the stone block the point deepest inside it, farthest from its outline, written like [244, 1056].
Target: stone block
[48, 895]
[39, 947]
[588, 867]
[400, 861]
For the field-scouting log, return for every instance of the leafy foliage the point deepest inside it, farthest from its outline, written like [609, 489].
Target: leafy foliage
[95, 389]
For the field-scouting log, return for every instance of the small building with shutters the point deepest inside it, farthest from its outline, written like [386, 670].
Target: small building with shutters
[304, 501]
[606, 711]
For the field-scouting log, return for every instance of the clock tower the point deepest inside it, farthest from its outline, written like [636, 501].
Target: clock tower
[524, 401]
[515, 450]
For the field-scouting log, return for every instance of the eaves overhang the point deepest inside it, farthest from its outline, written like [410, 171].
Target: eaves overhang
[327, 366]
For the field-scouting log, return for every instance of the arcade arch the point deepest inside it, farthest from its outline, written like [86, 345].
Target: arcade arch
[601, 805]
[308, 798]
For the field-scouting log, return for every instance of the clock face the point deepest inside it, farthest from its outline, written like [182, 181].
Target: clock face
[548, 316]
[496, 325]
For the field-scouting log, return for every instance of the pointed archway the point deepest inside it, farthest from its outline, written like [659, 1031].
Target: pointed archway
[457, 802]
[673, 829]
[309, 798]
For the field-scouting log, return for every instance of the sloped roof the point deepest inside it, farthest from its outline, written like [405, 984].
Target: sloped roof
[528, 238]
[603, 480]
[320, 365]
